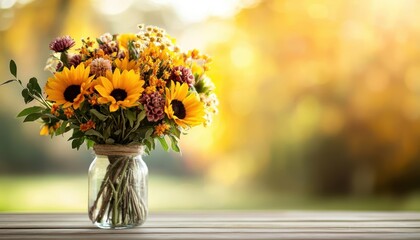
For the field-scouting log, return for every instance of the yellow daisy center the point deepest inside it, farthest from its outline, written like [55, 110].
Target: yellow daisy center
[71, 93]
[119, 94]
[179, 109]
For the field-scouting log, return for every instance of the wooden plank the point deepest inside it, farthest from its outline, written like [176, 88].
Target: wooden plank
[234, 216]
[221, 225]
[64, 231]
[224, 236]
[231, 224]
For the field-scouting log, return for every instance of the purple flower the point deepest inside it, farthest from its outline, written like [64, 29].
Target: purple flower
[75, 60]
[154, 104]
[183, 75]
[62, 44]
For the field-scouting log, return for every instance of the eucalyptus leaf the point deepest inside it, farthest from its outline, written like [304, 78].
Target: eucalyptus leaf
[92, 132]
[26, 96]
[8, 81]
[32, 117]
[13, 68]
[30, 110]
[34, 87]
[99, 115]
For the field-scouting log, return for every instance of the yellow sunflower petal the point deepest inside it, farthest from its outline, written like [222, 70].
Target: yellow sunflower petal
[113, 107]
[45, 131]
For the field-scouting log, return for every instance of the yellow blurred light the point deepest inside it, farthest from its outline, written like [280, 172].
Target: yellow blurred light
[5, 4]
[318, 11]
[332, 120]
[112, 7]
[195, 11]
[242, 55]
[377, 79]
[411, 78]
[304, 121]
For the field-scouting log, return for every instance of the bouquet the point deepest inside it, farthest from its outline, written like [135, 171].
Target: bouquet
[124, 89]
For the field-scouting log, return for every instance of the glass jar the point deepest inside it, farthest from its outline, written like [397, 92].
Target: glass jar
[118, 187]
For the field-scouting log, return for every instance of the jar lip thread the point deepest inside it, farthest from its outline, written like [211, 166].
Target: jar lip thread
[118, 150]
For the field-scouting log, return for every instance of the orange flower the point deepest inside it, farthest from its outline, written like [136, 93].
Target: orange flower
[54, 110]
[69, 112]
[86, 126]
[161, 129]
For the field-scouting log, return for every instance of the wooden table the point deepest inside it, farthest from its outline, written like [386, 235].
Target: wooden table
[221, 225]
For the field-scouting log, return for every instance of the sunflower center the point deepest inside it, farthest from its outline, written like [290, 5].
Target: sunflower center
[179, 109]
[71, 92]
[119, 94]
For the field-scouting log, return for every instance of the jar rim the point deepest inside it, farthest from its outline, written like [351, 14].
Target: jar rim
[118, 149]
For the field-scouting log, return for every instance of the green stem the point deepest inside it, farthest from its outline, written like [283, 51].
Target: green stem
[115, 205]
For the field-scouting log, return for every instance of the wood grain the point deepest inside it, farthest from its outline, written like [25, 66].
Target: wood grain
[220, 225]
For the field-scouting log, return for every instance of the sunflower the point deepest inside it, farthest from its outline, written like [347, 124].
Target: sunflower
[185, 109]
[120, 89]
[68, 87]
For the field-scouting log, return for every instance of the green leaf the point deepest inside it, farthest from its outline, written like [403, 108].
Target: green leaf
[148, 144]
[30, 110]
[174, 144]
[176, 131]
[76, 143]
[26, 96]
[99, 115]
[13, 68]
[118, 132]
[148, 133]
[109, 141]
[163, 142]
[34, 87]
[32, 117]
[89, 144]
[141, 116]
[8, 81]
[131, 116]
[76, 134]
[92, 132]
[107, 132]
[62, 129]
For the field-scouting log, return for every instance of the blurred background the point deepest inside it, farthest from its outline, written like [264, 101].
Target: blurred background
[319, 104]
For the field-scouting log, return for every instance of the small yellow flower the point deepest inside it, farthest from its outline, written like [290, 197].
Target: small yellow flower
[125, 64]
[195, 54]
[150, 89]
[124, 39]
[45, 130]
